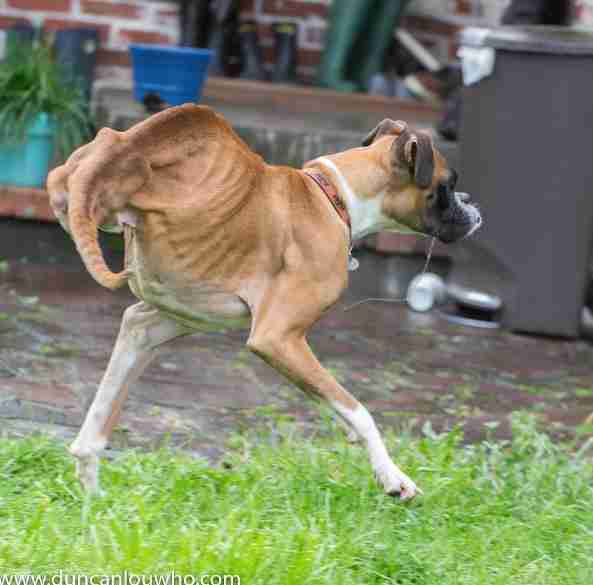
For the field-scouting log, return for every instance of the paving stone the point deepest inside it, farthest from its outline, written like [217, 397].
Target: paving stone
[405, 366]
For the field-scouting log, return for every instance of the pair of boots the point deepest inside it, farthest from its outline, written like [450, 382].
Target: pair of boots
[285, 47]
[359, 33]
[213, 24]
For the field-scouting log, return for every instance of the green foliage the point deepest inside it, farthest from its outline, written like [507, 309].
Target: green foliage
[285, 510]
[31, 82]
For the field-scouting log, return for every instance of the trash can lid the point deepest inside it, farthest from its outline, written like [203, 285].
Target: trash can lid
[559, 40]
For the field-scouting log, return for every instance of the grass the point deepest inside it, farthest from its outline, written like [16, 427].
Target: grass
[291, 510]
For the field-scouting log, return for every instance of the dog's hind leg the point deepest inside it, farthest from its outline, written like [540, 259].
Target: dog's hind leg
[143, 330]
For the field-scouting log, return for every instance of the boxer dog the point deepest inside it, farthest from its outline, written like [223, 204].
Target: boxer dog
[214, 235]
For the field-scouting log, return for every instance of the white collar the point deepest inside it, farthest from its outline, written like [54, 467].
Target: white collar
[366, 215]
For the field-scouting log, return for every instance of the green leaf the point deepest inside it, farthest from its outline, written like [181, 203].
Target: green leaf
[31, 83]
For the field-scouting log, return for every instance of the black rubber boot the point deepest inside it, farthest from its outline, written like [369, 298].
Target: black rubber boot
[251, 56]
[194, 23]
[218, 44]
[223, 39]
[76, 51]
[17, 37]
[285, 39]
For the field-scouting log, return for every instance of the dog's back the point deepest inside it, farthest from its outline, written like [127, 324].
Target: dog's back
[184, 166]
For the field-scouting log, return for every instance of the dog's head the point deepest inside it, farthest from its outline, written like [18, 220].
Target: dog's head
[421, 191]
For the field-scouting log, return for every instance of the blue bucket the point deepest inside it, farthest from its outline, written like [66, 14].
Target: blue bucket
[175, 74]
[27, 164]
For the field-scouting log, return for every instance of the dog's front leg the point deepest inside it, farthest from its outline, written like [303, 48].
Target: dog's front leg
[142, 331]
[291, 355]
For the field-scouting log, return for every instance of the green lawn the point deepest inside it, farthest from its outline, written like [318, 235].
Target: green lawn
[289, 510]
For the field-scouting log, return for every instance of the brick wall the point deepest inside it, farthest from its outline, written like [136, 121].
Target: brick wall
[147, 21]
[155, 21]
[119, 22]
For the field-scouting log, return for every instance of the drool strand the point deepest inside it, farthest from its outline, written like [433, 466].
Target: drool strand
[400, 300]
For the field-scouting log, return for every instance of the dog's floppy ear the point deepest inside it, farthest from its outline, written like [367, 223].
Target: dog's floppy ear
[414, 151]
[387, 126]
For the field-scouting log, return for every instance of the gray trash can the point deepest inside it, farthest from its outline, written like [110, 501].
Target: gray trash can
[526, 157]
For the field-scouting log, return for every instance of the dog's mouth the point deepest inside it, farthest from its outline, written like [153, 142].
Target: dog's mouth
[459, 220]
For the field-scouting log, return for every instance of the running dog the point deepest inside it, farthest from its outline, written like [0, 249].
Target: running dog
[215, 235]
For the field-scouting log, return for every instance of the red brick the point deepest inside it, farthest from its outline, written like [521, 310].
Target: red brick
[108, 9]
[305, 57]
[167, 17]
[52, 24]
[265, 33]
[309, 57]
[247, 5]
[294, 8]
[54, 5]
[464, 7]
[418, 23]
[144, 36]
[110, 57]
[265, 29]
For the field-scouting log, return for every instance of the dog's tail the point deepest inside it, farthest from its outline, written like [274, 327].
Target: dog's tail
[83, 228]
[100, 184]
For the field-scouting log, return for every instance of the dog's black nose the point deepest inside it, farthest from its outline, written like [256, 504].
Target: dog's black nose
[442, 197]
[445, 197]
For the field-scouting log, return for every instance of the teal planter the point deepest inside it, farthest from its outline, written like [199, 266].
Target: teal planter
[27, 164]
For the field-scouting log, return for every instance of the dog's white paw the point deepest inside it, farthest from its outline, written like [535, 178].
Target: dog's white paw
[87, 471]
[396, 483]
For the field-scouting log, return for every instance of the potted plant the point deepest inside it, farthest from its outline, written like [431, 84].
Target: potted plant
[41, 116]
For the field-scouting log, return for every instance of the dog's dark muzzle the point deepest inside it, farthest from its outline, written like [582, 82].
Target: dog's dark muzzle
[452, 217]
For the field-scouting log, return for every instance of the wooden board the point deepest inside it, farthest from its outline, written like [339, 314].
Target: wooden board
[313, 99]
